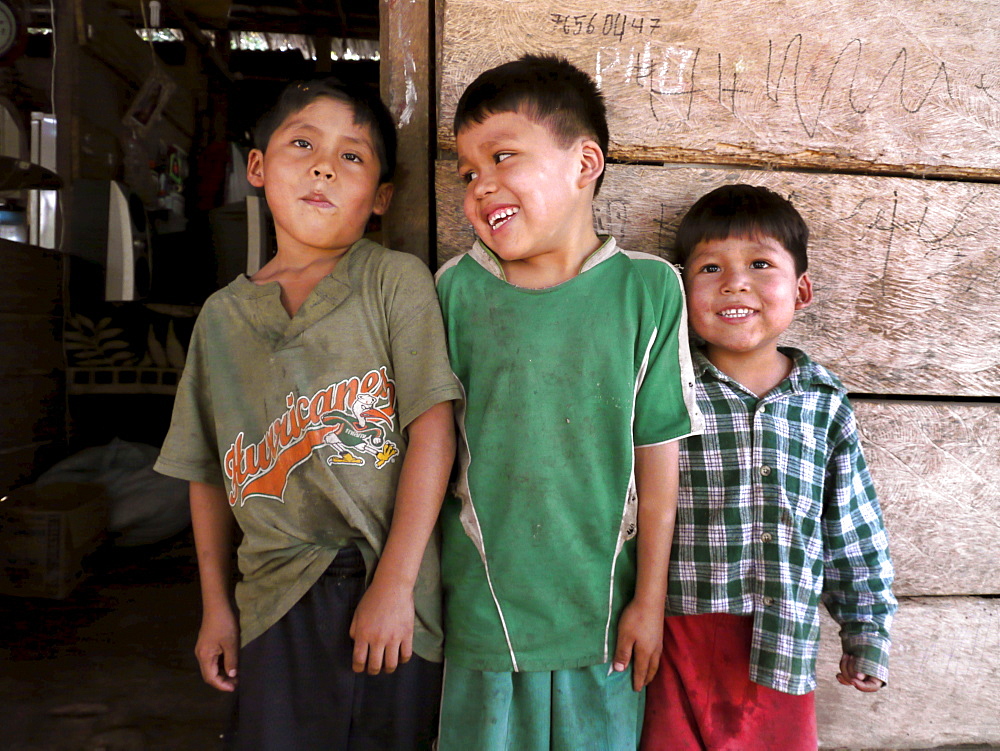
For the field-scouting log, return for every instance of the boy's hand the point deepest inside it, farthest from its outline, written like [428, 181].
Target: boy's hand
[640, 641]
[382, 627]
[217, 649]
[850, 676]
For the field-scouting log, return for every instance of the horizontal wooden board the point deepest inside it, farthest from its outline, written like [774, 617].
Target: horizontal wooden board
[904, 271]
[33, 409]
[22, 464]
[943, 685]
[936, 469]
[31, 344]
[32, 279]
[852, 84]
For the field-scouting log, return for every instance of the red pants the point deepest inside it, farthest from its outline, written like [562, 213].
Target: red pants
[702, 698]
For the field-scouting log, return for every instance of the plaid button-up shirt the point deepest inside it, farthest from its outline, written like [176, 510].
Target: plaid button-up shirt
[776, 510]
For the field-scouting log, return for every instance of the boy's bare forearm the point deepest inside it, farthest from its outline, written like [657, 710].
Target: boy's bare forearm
[656, 477]
[422, 483]
[212, 522]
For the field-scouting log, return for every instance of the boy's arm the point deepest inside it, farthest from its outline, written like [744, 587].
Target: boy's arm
[382, 627]
[858, 571]
[219, 636]
[640, 628]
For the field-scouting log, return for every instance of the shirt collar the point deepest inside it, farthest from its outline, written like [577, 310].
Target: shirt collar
[805, 374]
[486, 258]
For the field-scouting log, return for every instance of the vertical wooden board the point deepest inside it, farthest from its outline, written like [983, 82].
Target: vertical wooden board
[406, 51]
[935, 467]
[848, 84]
[905, 271]
[943, 685]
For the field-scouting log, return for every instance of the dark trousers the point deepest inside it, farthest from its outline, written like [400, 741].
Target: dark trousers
[297, 691]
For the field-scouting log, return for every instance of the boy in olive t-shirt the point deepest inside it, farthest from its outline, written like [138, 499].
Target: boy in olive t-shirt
[315, 411]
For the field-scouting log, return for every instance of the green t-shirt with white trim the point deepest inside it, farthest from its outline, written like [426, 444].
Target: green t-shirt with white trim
[561, 385]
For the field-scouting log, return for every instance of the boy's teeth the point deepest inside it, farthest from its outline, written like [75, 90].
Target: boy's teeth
[499, 216]
[736, 312]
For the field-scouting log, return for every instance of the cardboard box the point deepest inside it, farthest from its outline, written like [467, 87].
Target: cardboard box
[45, 534]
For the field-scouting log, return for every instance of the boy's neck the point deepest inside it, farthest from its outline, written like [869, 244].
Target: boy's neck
[553, 268]
[758, 371]
[298, 273]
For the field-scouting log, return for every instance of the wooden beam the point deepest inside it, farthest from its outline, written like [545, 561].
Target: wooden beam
[905, 271]
[943, 684]
[406, 65]
[936, 472]
[903, 87]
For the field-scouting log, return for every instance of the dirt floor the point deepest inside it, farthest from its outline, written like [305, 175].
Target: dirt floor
[111, 667]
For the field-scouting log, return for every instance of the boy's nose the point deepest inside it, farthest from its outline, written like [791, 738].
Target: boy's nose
[734, 282]
[322, 173]
[484, 185]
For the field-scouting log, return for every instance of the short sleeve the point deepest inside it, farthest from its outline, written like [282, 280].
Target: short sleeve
[190, 450]
[665, 405]
[423, 374]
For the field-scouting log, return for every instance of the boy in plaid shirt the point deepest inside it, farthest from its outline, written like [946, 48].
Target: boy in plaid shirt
[776, 507]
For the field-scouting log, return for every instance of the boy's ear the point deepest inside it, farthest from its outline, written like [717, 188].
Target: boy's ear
[804, 292]
[255, 168]
[591, 163]
[383, 195]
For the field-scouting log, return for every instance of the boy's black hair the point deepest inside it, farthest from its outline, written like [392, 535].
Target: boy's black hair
[369, 111]
[546, 88]
[744, 211]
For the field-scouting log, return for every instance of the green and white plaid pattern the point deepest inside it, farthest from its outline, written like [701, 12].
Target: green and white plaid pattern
[776, 511]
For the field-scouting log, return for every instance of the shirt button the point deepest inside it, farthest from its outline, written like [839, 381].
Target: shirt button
[765, 470]
[768, 601]
[766, 537]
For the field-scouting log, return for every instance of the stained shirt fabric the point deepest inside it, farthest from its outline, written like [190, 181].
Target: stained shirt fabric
[561, 384]
[776, 512]
[302, 420]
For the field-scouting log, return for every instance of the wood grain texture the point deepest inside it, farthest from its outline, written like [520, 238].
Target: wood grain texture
[406, 88]
[943, 686]
[855, 84]
[904, 271]
[937, 475]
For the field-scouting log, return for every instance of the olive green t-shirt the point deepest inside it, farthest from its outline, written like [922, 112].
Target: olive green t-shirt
[302, 421]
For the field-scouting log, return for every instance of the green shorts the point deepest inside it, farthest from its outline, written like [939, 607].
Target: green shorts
[581, 709]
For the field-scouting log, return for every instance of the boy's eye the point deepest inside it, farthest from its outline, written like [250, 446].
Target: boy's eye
[501, 156]
[710, 268]
[302, 143]
[351, 157]
[468, 177]
[760, 265]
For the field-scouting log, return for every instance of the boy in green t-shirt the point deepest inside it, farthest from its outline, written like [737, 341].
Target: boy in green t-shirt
[578, 384]
[315, 411]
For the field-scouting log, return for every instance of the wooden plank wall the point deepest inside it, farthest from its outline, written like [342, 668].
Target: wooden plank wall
[32, 372]
[847, 107]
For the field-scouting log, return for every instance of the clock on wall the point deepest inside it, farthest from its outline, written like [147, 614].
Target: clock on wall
[13, 30]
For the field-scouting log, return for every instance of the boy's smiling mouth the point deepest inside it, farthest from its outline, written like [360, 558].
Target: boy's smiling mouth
[500, 217]
[735, 313]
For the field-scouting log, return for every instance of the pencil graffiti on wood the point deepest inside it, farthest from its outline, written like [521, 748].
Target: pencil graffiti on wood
[794, 83]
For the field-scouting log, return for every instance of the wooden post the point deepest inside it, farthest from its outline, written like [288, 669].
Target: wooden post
[406, 82]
